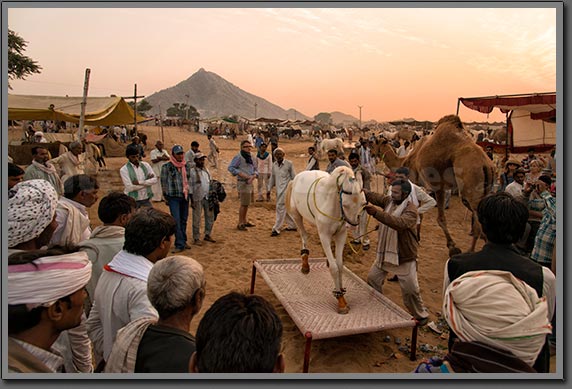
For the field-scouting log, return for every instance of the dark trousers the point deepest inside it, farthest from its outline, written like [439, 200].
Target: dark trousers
[179, 208]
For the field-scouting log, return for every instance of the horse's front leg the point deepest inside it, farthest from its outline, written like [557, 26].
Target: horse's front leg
[340, 241]
[305, 253]
[335, 269]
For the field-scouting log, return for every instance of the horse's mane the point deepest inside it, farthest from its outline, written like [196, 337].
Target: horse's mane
[339, 171]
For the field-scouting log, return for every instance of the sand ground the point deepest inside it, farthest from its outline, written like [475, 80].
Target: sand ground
[228, 264]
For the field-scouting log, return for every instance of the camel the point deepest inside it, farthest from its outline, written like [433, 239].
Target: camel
[447, 159]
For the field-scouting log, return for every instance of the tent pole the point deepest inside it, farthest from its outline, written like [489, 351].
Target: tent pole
[135, 111]
[506, 142]
[80, 133]
[458, 103]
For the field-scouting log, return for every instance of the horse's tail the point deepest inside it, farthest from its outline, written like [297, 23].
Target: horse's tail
[288, 197]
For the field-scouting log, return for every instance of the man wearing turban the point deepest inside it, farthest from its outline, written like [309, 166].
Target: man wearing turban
[31, 224]
[45, 297]
[503, 219]
[31, 215]
[495, 335]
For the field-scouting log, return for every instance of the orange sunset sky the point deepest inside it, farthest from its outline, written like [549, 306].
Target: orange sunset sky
[395, 62]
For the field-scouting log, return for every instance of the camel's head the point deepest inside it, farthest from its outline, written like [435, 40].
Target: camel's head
[352, 199]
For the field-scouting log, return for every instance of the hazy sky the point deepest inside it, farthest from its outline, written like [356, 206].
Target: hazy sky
[396, 63]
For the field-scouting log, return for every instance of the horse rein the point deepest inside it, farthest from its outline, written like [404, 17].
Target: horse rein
[341, 191]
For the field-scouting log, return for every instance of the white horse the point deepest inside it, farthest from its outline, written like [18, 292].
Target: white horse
[329, 144]
[328, 202]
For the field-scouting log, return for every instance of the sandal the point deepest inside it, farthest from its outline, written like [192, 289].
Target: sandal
[241, 227]
[249, 224]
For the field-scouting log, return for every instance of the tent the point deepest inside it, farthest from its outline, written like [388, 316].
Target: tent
[99, 111]
[531, 118]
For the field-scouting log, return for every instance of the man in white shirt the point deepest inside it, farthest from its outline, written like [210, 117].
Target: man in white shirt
[80, 193]
[159, 157]
[515, 188]
[121, 292]
[138, 178]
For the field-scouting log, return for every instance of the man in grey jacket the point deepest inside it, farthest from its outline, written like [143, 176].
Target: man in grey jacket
[199, 185]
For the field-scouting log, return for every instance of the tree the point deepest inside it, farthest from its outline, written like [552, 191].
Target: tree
[180, 110]
[142, 107]
[324, 118]
[19, 65]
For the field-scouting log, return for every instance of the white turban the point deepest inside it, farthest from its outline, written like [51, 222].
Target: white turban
[495, 308]
[30, 210]
[45, 280]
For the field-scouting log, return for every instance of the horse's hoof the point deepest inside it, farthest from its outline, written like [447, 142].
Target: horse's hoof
[344, 311]
[305, 270]
[454, 251]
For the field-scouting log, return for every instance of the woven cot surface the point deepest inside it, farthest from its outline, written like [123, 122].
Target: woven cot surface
[309, 301]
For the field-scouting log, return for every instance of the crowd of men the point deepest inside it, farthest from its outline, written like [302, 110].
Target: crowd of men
[112, 300]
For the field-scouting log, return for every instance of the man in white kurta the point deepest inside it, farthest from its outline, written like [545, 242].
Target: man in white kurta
[213, 152]
[121, 292]
[80, 193]
[107, 240]
[159, 157]
[71, 162]
[138, 178]
[282, 173]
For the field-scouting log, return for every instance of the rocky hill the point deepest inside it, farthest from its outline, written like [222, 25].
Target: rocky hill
[342, 118]
[213, 96]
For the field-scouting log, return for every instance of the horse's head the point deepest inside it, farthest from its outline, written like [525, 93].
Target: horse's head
[352, 199]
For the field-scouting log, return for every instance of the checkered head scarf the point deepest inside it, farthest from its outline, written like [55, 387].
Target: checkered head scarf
[30, 210]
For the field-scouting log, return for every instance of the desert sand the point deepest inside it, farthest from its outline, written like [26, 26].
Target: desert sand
[228, 263]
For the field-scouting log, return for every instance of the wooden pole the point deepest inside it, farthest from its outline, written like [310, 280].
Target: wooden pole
[252, 278]
[307, 349]
[135, 111]
[134, 108]
[161, 124]
[80, 133]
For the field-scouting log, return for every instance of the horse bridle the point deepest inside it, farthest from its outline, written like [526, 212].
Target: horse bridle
[341, 192]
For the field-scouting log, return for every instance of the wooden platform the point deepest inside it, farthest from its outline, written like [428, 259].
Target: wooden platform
[309, 301]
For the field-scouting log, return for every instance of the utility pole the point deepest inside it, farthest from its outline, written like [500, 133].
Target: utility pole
[135, 97]
[255, 105]
[360, 107]
[188, 113]
[80, 133]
